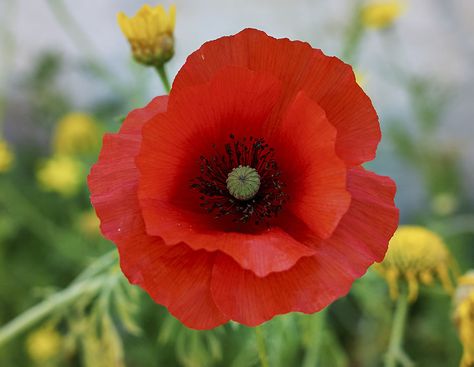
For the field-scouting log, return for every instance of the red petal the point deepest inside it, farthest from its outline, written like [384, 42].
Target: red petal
[113, 179]
[314, 282]
[236, 101]
[314, 175]
[267, 251]
[370, 222]
[307, 287]
[327, 80]
[136, 119]
[177, 276]
[174, 276]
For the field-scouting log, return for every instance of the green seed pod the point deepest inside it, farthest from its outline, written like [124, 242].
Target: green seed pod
[243, 182]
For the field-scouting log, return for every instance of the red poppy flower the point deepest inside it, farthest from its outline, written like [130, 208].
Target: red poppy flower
[241, 196]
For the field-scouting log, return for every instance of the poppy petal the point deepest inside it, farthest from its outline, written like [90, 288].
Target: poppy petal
[307, 287]
[327, 80]
[174, 276]
[113, 179]
[370, 222]
[135, 120]
[269, 250]
[315, 177]
[314, 281]
[146, 260]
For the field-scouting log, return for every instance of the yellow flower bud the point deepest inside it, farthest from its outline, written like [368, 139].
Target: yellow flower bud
[381, 14]
[150, 34]
[418, 255]
[61, 174]
[76, 133]
[6, 156]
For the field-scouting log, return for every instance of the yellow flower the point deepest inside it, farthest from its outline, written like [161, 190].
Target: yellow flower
[381, 14]
[61, 174]
[76, 133]
[89, 223]
[150, 34]
[43, 344]
[416, 254]
[6, 156]
[464, 316]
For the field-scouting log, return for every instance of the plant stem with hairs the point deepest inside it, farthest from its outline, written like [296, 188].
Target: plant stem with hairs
[88, 284]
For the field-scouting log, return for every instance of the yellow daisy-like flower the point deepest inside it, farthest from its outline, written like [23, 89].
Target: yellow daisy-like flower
[6, 156]
[62, 174]
[417, 254]
[381, 14]
[150, 34]
[76, 133]
[43, 344]
[464, 316]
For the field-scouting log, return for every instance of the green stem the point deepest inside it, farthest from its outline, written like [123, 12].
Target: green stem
[7, 50]
[354, 35]
[395, 350]
[261, 348]
[48, 306]
[164, 77]
[83, 43]
[71, 27]
[313, 349]
[19, 205]
[106, 261]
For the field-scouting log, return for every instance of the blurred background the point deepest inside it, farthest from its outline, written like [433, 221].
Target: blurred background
[67, 76]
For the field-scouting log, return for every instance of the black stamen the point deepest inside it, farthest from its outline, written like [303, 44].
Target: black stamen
[215, 198]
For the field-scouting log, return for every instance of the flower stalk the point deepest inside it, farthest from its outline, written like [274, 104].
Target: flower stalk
[83, 42]
[164, 77]
[86, 284]
[47, 307]
[261, 347]
[71, 27]
[354, 34]
[315, 340]
[395, 350]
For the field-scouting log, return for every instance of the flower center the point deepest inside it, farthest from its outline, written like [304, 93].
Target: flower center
[242, 181]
